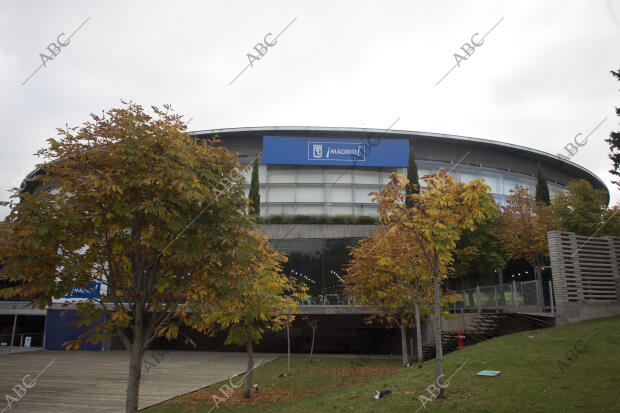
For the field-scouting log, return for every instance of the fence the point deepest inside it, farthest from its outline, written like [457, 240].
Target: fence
[515, 297]
[14, 342]
[328, 299]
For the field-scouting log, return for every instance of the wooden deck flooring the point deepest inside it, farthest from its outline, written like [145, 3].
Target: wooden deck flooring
[84, 381]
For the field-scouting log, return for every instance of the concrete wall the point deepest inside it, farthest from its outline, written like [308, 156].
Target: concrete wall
[315, 231]
[569, 313]
[456, 323]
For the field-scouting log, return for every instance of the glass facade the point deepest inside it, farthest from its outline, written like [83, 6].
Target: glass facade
[330, 190]
[320, 264]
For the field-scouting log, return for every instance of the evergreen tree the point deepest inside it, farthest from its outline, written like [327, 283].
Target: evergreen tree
[614, 143]
[254, 194]
[542, 189]
[412, 175]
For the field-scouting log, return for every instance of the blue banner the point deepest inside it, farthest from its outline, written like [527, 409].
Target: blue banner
[370, 150]
[92, 291]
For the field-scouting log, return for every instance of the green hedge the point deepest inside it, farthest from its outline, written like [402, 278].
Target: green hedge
[318, 219]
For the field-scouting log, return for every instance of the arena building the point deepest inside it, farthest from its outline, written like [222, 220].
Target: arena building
[320, 171]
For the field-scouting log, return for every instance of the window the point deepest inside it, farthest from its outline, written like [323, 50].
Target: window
[510, 183]
[493, 181]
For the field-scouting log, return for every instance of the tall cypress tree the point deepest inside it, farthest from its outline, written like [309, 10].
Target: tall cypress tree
[542, 189]
[614, 143]
[413, 187]
[254, 194]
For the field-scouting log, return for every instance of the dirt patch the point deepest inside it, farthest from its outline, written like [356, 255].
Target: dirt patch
[268, 394]
[360, 373]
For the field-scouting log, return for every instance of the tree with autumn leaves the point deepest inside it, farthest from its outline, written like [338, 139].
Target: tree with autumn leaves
[384, 272]
[424, 228]
[437, 218]
[263, 299]
[381, 278]
[132, 203]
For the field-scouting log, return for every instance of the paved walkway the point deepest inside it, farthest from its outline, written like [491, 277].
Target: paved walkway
[84, 381]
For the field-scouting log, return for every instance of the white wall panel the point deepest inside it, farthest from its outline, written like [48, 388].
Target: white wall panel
[310, 210]
[361, 176]
[310, 175]
[277, 176]
[342, 194]
[339, 176]
[310, 194]
[361, 195]
[282, 194]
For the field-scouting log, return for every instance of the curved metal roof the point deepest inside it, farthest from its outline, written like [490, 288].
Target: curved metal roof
[403, 133]
[395, 133]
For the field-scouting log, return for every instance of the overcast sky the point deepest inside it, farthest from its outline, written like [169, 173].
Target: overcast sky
[540, 77]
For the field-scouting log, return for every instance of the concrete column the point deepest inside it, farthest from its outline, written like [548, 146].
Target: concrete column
[500, 279]
[266, 201]
[13, 332]
[514, 295]
[551, 297]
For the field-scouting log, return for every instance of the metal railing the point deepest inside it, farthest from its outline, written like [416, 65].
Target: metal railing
[515, 297]
[328, 299]
[12, 342]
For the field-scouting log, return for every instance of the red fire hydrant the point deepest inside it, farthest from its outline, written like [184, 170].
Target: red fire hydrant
[460, 337]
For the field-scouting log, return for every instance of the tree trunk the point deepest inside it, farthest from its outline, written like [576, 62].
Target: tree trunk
[539, 289]
[418, 328]
[288, 339]
[403, 342]
[133, 381]
[312, 345]
[136, 353]
[247, 392]
[437, 327]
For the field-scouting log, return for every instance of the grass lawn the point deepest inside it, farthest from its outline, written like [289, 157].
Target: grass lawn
[568, 369]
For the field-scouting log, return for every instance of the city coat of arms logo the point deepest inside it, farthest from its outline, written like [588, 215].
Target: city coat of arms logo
[317, 150]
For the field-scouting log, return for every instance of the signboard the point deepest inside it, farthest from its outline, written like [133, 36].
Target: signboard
[79, 294]
[27, 341]
[363, 151]
[92, 291]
